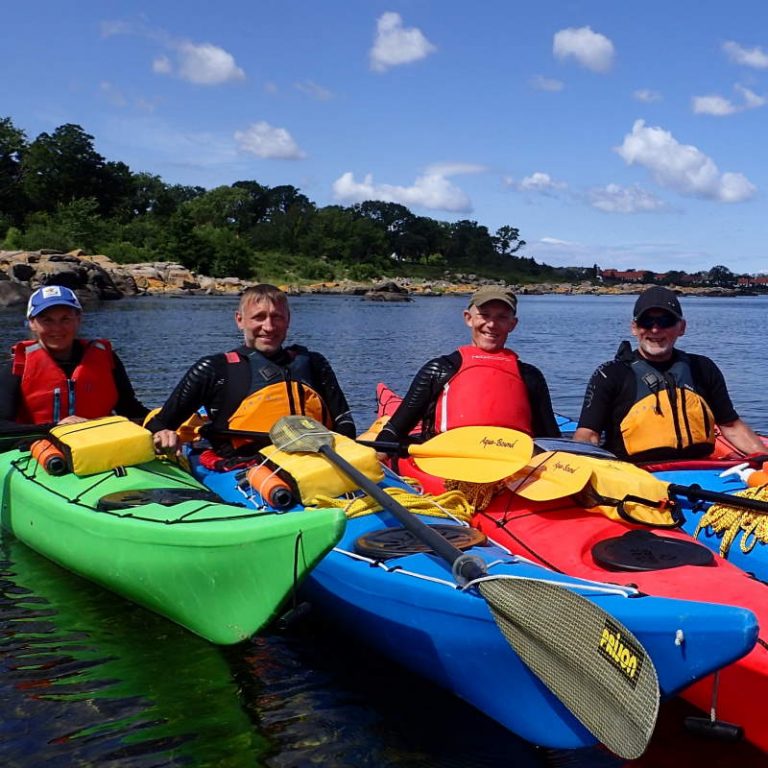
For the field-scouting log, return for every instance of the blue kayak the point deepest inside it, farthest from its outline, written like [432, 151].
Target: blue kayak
[739, 536]
[408, 606]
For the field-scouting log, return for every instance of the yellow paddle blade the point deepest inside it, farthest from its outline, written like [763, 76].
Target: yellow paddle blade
[549, 475]
[474, 454]
[621, 490]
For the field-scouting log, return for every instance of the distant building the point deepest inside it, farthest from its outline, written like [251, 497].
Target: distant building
[628, 276]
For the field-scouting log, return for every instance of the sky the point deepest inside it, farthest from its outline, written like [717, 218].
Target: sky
[628, 135]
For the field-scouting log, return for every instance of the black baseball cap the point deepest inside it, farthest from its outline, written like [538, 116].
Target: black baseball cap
[658, 297]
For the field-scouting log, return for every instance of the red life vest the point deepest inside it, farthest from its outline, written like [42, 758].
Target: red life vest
[47, 395]
[487, 390]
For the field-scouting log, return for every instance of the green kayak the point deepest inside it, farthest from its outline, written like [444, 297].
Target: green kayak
[156, 536]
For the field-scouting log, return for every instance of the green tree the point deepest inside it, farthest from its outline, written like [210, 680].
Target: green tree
[61, 167]
[508, 240]
[13, 143]
[721, 276]
[76, 224]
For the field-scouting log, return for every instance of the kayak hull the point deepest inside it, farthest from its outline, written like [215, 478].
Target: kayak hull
[409, 608]
[222, 571]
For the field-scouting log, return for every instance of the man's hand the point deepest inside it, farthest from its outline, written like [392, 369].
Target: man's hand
[71, 420]
[167, 441]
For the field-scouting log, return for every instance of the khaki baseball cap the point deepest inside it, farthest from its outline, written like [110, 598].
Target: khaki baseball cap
[493, 293]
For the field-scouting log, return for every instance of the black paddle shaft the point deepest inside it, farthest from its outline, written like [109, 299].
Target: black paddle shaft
[380, 445]
[696, 493]
[470, 568]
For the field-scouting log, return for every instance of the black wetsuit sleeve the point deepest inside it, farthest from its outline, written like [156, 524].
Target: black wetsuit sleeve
[10, 400]
[543, 421]
[710, 381]
[601, 395]
[328, 388]
[420, 401]
[128, 404]
[201, 386]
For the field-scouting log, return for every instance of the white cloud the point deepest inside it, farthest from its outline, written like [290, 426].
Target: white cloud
[590, 49]
[199, 63]
[712, 105]
[720, 106]
[162, 65]
[313, 90]
[646, 95]
[614, 198]
[432, 190]
[395, 45]
[756, 57]
[542, 183]
[751, 99]
[264, 140]
[206, 64]
[541, 83]
[682, 167]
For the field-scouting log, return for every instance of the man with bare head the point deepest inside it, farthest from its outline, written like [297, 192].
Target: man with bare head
[251, 387]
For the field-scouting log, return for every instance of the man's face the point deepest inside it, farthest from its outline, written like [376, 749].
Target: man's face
[656, 332]
[490, 324]
[264, 324]
[56, 329]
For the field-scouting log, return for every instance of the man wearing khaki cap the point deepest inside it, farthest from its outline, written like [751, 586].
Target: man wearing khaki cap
[480, 384]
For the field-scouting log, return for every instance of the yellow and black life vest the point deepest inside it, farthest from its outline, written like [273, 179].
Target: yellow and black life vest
[276, 391]
[668, 415]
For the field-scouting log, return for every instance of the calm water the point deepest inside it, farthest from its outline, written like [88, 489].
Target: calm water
[88, 679]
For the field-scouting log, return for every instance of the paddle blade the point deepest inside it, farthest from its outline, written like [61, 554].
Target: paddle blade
[300, 434]
[474, 454]
[590, 661]
[549, 475]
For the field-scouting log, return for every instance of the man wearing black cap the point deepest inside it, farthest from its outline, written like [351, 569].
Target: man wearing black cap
[480, 384]
[658, 402]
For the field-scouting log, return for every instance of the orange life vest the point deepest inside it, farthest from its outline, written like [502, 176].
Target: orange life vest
[276, 391]
[487, 390]
[47, 395]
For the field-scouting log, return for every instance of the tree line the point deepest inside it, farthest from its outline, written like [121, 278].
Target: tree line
[58, 192]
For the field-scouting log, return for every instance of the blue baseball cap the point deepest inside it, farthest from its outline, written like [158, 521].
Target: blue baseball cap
[51, 296]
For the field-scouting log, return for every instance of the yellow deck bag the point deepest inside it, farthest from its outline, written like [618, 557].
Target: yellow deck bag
[313, 474]
[100, 445]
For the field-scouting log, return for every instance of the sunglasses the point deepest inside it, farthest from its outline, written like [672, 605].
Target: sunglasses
[660, 321]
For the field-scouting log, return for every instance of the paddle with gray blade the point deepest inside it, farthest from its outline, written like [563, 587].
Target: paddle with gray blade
[576, 649]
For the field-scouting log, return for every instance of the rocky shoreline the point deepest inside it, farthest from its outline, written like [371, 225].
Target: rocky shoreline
[98, 278]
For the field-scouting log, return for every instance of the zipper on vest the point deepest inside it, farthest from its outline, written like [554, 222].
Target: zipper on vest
[56, 405]
[71, 396]
[444, 415]
[289, 392]
[302, 398]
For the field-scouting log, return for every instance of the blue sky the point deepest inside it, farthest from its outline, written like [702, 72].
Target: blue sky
[628, 135]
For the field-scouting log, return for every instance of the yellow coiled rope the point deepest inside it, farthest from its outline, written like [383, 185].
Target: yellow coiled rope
[450, 504]
[479, 495]
[730, 521]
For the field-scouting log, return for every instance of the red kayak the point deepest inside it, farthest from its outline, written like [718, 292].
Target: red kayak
[567, 538]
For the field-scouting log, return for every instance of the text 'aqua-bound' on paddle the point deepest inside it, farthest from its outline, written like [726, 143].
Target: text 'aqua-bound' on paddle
[474, 454]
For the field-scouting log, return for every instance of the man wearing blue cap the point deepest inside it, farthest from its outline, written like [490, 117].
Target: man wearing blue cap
[57, 378]
[657, 402]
